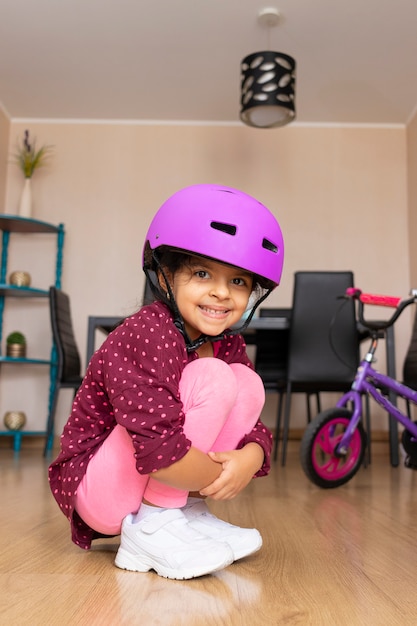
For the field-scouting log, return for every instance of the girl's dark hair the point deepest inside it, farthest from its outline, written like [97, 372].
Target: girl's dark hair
[173, 260]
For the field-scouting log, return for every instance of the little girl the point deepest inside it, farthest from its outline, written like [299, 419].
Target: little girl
[168, 412]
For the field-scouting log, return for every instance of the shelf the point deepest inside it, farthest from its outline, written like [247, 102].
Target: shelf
[13, 433]
[20, 360]
[9, 226]
[18, 434]
[16, 224]
[22, 292]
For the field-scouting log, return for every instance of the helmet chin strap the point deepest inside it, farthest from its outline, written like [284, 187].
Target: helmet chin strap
[169, 299]
[197, 343]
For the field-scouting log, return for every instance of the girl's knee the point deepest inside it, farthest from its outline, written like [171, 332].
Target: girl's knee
[250, 385]
[208, 380]
[246, 376]
[207, 367]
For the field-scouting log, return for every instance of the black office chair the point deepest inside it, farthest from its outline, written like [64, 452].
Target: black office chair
[66, 368]
[323, 351]
[148, 294]
[271, 362]
[271, 356]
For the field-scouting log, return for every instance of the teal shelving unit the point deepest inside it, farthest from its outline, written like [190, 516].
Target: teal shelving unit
[10, 224]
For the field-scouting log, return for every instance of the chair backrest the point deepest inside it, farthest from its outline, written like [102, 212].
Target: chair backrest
[148, 295]
[324, 339]
[69, 362]
[410, 361]
[272, 349]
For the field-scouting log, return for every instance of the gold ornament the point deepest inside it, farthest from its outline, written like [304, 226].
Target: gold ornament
[14, 420]
[20, 279]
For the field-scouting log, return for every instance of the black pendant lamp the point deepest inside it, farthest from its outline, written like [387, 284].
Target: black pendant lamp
[267, 84]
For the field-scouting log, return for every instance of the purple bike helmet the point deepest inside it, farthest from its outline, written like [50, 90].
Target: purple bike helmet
[223, 224]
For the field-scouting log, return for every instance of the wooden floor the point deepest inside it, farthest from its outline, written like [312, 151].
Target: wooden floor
[330, 557]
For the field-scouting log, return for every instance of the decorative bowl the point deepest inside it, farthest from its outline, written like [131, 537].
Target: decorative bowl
[14, 420]
[20, 279]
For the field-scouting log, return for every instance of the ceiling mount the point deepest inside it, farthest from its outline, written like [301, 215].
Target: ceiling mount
[269, 17]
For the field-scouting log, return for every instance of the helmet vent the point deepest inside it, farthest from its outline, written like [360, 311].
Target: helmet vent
[268, 245]
[229, 229]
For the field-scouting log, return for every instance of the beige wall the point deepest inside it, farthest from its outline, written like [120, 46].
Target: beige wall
[412, 197]
[4, 153]
[340, 194]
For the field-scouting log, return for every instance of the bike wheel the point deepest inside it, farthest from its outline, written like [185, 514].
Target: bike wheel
[321, 462]
[410, 447]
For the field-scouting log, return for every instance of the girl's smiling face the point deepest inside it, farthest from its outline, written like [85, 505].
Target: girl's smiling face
[210, 296]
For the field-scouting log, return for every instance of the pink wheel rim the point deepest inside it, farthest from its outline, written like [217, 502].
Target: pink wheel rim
[326, 464]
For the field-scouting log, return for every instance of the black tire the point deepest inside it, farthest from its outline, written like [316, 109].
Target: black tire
[410, 447]
[320, 463]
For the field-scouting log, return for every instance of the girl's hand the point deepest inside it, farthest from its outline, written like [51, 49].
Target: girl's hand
[238, 469]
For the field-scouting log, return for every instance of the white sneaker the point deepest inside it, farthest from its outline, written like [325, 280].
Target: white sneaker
[242, 541]
[166, 543]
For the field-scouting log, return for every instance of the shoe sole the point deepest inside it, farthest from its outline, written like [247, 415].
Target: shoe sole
[127, 561]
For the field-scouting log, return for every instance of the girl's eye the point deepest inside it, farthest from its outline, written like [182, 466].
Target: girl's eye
[239, 281]
[201, 273]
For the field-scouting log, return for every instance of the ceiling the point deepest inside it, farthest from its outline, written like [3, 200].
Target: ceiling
[180, 59]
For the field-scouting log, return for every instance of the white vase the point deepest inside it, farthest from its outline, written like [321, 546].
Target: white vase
[25, 205]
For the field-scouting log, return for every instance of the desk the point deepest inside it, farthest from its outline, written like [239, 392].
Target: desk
[107, 323]
[265, 323]
[268, 323]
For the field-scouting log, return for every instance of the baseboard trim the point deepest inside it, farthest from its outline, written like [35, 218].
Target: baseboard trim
[38, 443]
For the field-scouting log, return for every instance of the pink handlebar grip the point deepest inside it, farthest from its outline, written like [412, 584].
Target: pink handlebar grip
[371, 298]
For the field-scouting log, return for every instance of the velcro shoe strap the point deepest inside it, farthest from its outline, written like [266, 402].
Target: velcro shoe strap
[158, 520]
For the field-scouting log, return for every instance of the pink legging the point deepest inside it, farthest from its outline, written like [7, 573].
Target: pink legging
[221, 403]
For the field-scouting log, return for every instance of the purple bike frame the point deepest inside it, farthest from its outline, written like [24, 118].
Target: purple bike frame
[367, 380]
